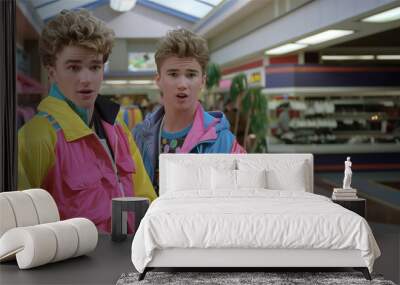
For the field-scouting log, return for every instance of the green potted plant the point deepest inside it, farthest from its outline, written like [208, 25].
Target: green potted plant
[252, 105]
[212, 82]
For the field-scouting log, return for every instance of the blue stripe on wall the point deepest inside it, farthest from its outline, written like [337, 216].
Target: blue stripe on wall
[289, 75]
[312, 79]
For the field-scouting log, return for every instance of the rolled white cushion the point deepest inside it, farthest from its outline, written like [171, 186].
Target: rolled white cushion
[23, 208]
[33, 246]
[45, 205]
[7, 218]
[40, 244]
[87, 235]
[67, 240]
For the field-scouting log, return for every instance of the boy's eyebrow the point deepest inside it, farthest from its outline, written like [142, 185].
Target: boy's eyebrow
[73, 61]
[95, 61]
[175, 70]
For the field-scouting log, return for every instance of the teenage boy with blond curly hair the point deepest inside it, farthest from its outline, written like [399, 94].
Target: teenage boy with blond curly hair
[181, 125]
[76, 147]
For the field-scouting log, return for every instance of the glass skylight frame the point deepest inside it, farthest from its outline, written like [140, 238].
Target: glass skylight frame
[194, 8]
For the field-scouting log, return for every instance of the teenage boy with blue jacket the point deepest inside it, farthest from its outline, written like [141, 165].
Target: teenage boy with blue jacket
[181, 125]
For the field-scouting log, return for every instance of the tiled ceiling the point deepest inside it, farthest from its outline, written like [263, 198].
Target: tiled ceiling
[190, 10]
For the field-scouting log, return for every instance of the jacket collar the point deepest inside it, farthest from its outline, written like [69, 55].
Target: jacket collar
[200, 132]
[107, 109]
[70, 122]
[152, 122]
[203, 128]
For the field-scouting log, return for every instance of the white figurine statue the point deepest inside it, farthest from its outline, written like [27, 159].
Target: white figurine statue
[347, 174]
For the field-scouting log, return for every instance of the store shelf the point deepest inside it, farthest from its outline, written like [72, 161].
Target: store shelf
[334, 119]
[354, 116]
[361, 133]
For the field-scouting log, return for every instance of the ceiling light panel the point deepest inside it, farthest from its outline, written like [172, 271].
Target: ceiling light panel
[190, 7]
[388, 57]
[141, 82]
[325, 36]
[387, 16]
[285, 49]
[348, 57]
[122, 5]
[115, 82]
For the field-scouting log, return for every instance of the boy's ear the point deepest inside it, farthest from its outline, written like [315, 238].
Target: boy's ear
[51, 72]
[157, 79]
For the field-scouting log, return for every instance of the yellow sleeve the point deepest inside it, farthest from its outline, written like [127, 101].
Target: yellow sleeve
[138, 116]
[36, 142]
[142, 183]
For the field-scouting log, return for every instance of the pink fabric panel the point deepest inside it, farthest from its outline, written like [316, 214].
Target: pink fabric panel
[82, 180]
[237, 148]
[198, 132]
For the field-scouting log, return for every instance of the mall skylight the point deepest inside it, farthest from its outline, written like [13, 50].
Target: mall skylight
[190, 10]
[194, 8]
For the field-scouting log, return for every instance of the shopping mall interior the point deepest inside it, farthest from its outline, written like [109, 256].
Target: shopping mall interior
[325, 75]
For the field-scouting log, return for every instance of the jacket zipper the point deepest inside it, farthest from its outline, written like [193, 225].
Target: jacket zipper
[200, 143]
[113, 164]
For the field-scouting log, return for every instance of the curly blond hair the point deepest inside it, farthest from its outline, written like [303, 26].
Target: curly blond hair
[182, 43]
[78, 28]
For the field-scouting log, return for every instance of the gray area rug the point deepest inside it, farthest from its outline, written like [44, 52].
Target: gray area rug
[229, 278]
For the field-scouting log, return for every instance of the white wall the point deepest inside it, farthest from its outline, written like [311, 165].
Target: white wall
[141, 22]
[137, 30]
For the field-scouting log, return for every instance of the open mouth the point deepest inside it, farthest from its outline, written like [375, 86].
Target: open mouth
[86, 94]
[86, 91]
[182, 96]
